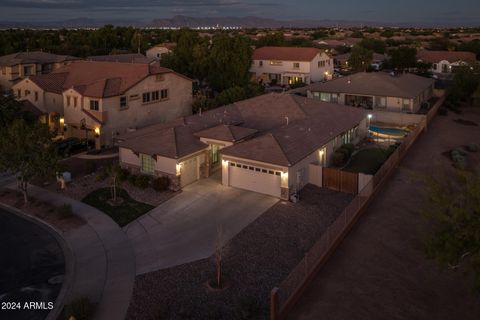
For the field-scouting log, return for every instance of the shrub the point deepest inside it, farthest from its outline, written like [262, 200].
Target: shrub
[123, 174]
[64, 211]
[473, 147]
[80, 309]
[102, 175]
[160, 184]
[338, 158]
[142, 181]
[90, 166]
[391, 149]
[350, 147]
[132, 179]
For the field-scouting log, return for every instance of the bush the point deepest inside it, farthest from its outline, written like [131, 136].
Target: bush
[391, 149]
[473, 147]
[350, 147]
[160, 184]
[132, 179]
[123, 174]
[338, 158]
[64, 211]
[102, 175]
[80, 309]
[142, 181]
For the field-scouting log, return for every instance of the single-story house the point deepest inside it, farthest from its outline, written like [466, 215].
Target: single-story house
[445, 62]
[376, 90]
[341, 60]
[263, 144]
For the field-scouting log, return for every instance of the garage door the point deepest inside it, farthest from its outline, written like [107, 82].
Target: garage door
[189, 171]
[256, 179]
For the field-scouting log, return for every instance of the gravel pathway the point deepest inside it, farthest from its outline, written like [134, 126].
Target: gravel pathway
[255, 261]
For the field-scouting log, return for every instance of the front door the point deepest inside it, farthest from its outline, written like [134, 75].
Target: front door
[214, 156]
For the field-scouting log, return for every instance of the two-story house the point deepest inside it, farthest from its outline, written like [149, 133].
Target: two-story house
[289, 65]
[446, 62]
[105, 99]
[17, 66]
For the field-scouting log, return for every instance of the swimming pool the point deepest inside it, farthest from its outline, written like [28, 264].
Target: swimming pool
[391, 133]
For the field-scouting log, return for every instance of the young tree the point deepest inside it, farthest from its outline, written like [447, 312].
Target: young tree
[360, 58]
[453, 210]
[403, 58]
[27, 151]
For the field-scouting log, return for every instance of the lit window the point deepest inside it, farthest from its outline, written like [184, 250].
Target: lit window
[148, 164]
[325, 96]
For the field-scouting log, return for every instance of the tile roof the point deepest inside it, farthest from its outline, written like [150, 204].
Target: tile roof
[27, 106]
[311, 124]
[224, 132]
[125, 58]
[175, 142]
[377, 84]
[33, 57]
[450, 56]
[285, 53]
[98, 79]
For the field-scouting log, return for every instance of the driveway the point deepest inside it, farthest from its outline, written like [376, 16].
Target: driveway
[184, 228]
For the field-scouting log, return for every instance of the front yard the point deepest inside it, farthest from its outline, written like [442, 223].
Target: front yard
[254, 261]
[122, 213]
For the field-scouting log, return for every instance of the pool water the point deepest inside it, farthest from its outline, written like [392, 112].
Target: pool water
[388, 132]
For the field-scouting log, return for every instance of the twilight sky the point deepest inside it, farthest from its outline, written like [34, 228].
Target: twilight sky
[441, 12]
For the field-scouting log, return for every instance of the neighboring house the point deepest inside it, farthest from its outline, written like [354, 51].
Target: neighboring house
[341, 61]
[263, 144]
[288, 65]
[376, 90]
[124, 57]
[162, 48]
[334, 43]
[445, 62]
[17, 66]
[104, 99]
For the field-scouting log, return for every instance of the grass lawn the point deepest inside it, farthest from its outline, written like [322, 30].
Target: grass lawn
[123, 213]
[367, 161]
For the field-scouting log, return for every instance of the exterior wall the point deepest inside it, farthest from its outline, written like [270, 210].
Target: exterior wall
[46, 101]
[137, 114]
[156, 52]
[308, 70]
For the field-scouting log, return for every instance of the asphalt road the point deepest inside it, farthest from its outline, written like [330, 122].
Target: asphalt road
[31, 268]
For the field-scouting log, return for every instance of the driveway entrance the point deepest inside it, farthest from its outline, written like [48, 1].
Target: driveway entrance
[184, 228]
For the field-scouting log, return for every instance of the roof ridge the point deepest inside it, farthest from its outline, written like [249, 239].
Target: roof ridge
[280, 147]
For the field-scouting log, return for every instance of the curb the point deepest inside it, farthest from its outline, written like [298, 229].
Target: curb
[67, 253]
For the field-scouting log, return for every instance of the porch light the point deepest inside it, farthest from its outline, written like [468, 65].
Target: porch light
[321, 153]
[225, 163]
[62, 120]
[97, 131]
[370, 116]
[178, 168]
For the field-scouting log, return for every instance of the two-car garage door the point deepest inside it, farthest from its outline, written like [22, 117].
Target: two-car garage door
[256, 179]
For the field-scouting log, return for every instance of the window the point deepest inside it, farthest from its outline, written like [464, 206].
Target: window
[159, 77]
[296, 65]
[94, 105]
[146, 97]
[27, 70]
[406, 105]
[275, 63]
[4, 70]
[260, 63]
[434, 66]
[164, 94]
[123, 102]
[134, 97]
[19, 93]
[155, 95]
[321, 63]
[27, 92]
[68, 101]
[334, 98]
[381, 102]
[325, 96]
[75, 102]
[36, 95]
[148, 164]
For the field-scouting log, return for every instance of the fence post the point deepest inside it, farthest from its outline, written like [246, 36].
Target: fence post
[274, 312]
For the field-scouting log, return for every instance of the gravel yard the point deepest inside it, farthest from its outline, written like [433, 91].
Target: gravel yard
[255, 261]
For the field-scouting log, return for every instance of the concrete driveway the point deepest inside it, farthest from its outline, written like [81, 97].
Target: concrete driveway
[184, 228]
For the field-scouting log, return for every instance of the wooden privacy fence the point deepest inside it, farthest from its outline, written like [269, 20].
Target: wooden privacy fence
[339, 180]
[283, 297]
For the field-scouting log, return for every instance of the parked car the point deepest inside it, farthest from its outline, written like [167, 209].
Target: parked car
[71, 145]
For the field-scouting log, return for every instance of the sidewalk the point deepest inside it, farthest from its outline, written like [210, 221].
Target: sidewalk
[104, 266]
